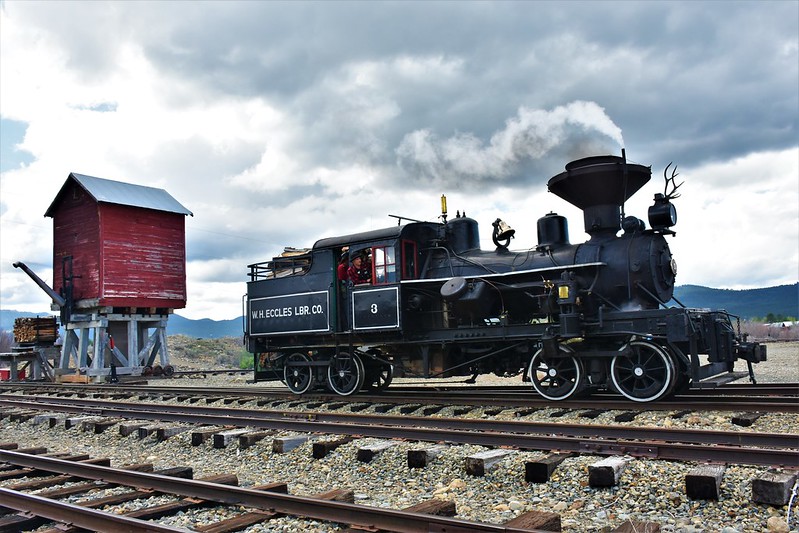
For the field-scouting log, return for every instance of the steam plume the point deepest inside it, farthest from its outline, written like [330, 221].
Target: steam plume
[576, 130]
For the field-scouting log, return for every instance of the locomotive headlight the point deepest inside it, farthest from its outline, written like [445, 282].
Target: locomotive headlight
[663, 214]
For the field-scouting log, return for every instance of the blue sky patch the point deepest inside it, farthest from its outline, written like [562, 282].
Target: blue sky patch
[11, 134]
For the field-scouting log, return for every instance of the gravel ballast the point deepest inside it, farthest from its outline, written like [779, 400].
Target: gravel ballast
[648, 490]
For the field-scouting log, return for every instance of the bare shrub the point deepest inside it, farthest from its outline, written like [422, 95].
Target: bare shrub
[6, 341]
[770, 332]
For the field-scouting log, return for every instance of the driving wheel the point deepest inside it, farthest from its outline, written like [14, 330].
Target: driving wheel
[646, 374]
[556, 378]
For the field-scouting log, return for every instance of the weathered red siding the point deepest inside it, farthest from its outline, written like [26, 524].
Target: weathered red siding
[76, 233]
[143, 257]
[122, 256]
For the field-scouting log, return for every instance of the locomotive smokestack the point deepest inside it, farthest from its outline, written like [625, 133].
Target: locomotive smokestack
[600, 185]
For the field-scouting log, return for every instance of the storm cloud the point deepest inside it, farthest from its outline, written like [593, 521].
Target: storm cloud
[279, 123]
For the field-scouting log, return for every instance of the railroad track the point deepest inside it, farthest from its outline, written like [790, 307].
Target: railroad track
[266, 418]
[754, 448]
[760, 398]
[262, 503]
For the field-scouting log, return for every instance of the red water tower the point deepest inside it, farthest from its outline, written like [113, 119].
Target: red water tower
[119, 267]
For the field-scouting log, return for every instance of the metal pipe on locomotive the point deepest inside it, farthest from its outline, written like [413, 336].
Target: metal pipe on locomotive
[570, 318]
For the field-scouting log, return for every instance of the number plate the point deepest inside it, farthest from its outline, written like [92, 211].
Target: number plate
[376, 308]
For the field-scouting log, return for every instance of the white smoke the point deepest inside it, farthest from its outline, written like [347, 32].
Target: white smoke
[578, 129]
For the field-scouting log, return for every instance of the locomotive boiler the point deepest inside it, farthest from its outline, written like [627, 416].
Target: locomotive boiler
[570, 318]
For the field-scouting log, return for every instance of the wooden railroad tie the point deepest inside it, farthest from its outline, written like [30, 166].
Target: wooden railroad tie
[21, 416]
[773, 488]
[199, 436]
[745, 419]
[704, 482]
[247, 440]
[324, 447]
[540, 470]
[421, 457]
[145, 431]
[78, 488]
[286, 444]
[163, 433]
[482, 462]
[126, 428]
[633, 526]
[539, 520]
[253, 517]
[434, 507]
[221, 439]
[367, 452]
[606, 472]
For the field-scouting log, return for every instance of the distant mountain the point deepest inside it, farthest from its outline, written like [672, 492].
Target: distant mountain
[204, 328]
[751, 303]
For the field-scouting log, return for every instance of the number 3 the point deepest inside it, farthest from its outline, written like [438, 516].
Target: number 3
[374, 309]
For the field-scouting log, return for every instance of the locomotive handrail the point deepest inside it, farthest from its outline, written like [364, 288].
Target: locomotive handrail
[513, 273]
[279, 267]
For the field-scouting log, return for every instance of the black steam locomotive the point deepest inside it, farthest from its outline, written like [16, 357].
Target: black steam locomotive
[572, 318]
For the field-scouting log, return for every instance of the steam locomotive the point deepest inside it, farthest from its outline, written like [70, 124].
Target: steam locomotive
[571, 318]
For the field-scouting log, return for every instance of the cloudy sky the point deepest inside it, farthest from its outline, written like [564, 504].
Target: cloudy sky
[278, 123]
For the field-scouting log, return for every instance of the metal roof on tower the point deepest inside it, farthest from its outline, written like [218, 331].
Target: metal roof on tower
[117, 192]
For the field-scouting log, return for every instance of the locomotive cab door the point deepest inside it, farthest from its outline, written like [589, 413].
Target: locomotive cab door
[375, 305]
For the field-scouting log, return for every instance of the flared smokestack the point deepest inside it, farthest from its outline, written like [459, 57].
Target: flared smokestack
[600, 185]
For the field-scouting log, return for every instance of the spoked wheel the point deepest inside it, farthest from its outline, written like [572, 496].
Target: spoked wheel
[556, 378]
[379, 378]
[298, 378]
[345, 374]
[646, 374]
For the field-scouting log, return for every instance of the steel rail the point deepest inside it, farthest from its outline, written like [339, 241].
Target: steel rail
[602, 446]
[333, 511]
[789, 388]
[759, 389]
[680, 435]
[77, 515]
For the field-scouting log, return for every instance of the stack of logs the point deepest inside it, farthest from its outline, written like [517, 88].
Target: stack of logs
[35, 330]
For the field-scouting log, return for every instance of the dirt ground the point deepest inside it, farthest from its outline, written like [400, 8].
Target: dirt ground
[782, 365]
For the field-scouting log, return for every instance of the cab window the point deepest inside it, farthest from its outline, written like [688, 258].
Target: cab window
[385, 266]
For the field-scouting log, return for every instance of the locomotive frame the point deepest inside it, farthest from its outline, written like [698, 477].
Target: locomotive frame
[571, 319]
